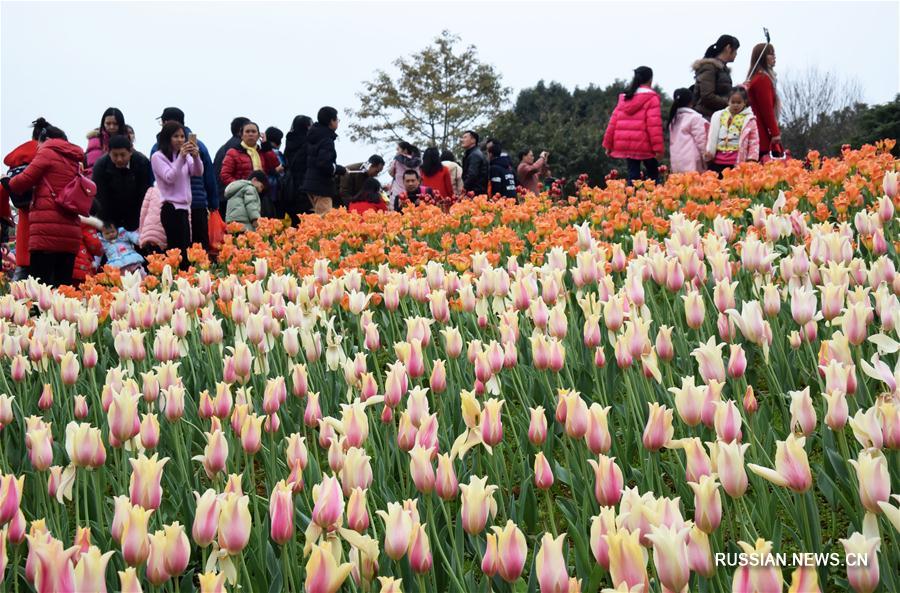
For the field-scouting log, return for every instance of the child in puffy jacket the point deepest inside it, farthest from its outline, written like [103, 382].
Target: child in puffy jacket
[244, 203]
[119, 246]
[90, 248]
[733, 134]
[635, 130]
[687, 134]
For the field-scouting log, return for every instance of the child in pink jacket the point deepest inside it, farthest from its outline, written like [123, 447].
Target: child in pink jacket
[635, 130]
[687, 134]
[733, 134]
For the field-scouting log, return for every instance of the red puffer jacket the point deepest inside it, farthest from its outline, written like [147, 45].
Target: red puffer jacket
[90, 246]
[21, 155]
[635, 128]
[51, 229]
[238, 164]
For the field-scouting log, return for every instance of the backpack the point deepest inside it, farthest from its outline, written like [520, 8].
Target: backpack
[77, 196]
[20, 201]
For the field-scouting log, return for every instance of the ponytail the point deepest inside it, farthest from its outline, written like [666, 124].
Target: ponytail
[39, 131]
[642, 75]
[721, 43]
[681, 98]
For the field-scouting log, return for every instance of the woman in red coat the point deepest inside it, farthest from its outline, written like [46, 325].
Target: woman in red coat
[368, 198]
[241, 161]
[764, 98]
[635, 131]
[54, 235]
[434, 174]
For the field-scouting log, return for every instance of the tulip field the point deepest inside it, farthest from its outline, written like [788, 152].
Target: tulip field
[667, 389]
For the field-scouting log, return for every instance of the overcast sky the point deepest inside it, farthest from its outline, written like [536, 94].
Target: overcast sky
[270, 61]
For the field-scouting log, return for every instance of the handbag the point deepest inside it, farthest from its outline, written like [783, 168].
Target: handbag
[77, 196]
[216, 229]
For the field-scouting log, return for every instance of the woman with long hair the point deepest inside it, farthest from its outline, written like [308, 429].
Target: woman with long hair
[173, 165]
[763, 93]
[434, 174]
[112, 123]
[635, 129]
[370, 197]
[295, 201]
[712, 78]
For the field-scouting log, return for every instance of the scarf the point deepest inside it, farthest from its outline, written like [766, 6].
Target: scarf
[254, 156]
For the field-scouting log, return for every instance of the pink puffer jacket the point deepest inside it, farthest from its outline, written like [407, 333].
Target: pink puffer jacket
[151, 230]
[687, 141]
[635, 128]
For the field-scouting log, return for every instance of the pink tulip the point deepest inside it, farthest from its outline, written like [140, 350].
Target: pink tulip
[707, 503]
[178, 549]
[357, 512]
[601, 525]
[803, 414]
[665, 350]
[491, 422]
[577, 416]
[872, 477]
[477, 504]
[627, 562]
[420, 468]
[550, 565]
[863, 577]
[420, 558]
[489, 561]
[597, 437]
[145, 488]
[543, 474]
[281, 513]
[737, 361]
[329, 503]
[727, 421]
[206, 518]
[398, 525]
[511, 551]
[658, 431]
[730, 467]
[791, 466]
[54, 571]
[134, 541]
[446, 484]
[608, 480]
[234, 523]
[670, 556]
[694, 309]
[537, 427]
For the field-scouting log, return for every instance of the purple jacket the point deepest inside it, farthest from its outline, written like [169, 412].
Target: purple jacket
[173, 178]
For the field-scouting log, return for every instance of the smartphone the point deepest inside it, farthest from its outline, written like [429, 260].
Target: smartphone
[192, 138]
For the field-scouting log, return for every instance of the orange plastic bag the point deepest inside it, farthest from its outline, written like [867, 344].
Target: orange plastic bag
[216, 231]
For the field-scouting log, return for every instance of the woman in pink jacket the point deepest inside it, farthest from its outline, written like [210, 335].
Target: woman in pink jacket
[635, 130]
[687, 134]
[112, 122]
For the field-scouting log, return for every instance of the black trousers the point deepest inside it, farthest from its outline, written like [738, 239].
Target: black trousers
[52, 267]
[200, 227]
[718, 168]
[651, 166]
[178, 230]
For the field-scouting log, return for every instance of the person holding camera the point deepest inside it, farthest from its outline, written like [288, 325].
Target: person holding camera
[530, 171]
[176, 161]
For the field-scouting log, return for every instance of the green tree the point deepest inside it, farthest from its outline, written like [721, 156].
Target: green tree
[437, 94]
[877, 123]
[568, 124]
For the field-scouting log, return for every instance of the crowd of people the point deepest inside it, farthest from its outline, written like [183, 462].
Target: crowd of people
[712, 126]
[170, 200]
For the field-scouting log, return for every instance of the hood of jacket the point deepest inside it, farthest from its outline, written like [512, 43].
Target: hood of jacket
[21, 154]
[410, 162]
[318, 132]
[65, 149]
[235, 187]
[95, 133]
[502, 161]
[637, 102]
[707, 63]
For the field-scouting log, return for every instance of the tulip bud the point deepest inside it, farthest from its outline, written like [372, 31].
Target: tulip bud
[543, 474]
[281, 513]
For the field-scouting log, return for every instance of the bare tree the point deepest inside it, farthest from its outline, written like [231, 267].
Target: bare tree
[817, 109]
[808, 95]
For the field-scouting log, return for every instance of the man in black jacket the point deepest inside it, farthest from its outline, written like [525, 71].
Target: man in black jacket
[502, 177]
[237, 124]
[321, 161]
[475, 166]
[122, 176]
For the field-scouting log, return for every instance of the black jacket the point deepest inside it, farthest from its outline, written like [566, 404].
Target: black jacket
[321, 161]
[120, 192]
[503, 178]
[293, 198]
[475, 171]
[233, 142]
